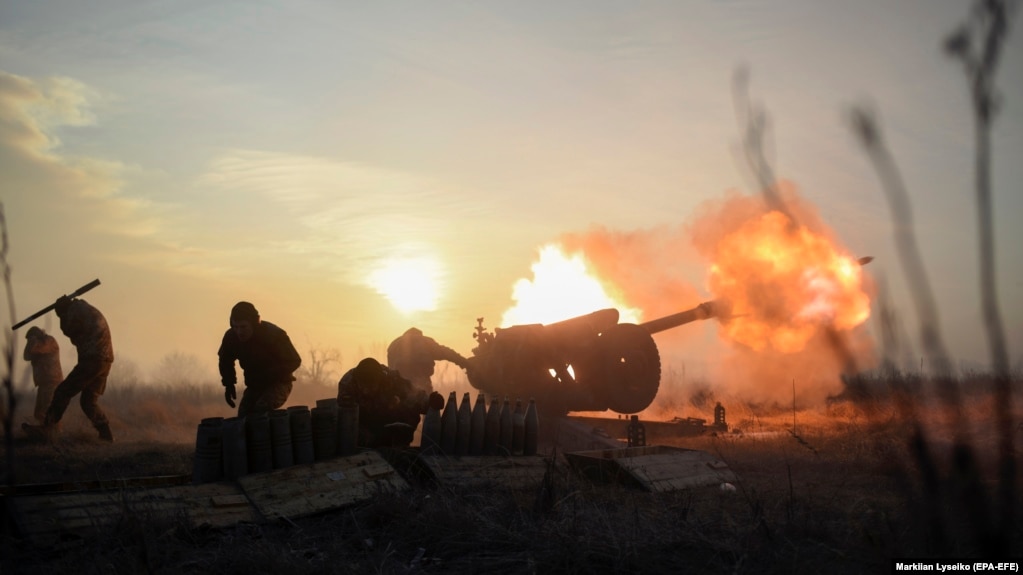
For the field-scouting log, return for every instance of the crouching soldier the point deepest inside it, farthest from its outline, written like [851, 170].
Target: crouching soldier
[389, 406]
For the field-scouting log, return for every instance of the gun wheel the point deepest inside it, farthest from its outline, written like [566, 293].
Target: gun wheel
[632, 368]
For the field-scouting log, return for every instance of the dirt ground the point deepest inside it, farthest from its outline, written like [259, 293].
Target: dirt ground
[843, 493]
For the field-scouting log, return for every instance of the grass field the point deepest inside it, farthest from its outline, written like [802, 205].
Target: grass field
[844, 492]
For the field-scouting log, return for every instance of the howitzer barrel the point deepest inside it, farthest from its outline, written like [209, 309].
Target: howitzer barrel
[579, 327]
[703, 311]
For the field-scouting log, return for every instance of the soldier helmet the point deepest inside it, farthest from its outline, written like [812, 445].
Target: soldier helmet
[369, 369]
[244, 311]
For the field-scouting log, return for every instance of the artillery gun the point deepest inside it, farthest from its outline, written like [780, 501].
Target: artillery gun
[586, 363]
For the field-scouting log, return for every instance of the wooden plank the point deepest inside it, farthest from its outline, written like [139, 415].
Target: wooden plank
[487, 471]
[48, 518]
[673, 469]
[654, 468]
[234, 500]
[96, 485]
[303, 490]
[199, 504]
[682, 481]
[377, 471]
[665, 466]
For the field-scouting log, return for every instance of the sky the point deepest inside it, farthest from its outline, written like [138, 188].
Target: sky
[194, 154]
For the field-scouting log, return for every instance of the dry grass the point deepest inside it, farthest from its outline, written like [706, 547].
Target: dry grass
[842, 494]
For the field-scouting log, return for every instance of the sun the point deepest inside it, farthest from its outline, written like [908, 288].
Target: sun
[409, 283]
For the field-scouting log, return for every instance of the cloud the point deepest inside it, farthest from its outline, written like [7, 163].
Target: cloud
[30, 111]
[308, 215]
[338, 217]
[74, 216]
[74, 190]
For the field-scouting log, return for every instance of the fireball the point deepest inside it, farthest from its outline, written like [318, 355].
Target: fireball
[784, 284]
[563, 286]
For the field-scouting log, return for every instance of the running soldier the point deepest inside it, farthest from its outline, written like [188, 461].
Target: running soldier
[266, 356]
[413, 355]
[43, 353]
[88, 331]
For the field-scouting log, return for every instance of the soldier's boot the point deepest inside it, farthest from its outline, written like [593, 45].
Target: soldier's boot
[104, 433]
[41, 432]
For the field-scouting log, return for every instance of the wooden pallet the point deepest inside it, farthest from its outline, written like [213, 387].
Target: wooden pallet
[316, 487]
[47, 514]
[48, 518]
[653, 468]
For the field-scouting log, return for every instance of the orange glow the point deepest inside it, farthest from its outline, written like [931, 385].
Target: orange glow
[784, 284]
[562, 287]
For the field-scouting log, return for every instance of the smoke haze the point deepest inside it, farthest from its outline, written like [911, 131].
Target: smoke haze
[660, 270]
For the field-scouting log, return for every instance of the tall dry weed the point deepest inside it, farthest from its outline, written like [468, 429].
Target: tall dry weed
[954, 501]
[957, 511]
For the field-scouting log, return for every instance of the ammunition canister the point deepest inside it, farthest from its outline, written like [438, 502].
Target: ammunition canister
[532, 429]
[478, 428]
[464, 426]
[504, 441]
[431, 438]
[518, 428]
[492, 429]
[449, 425]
